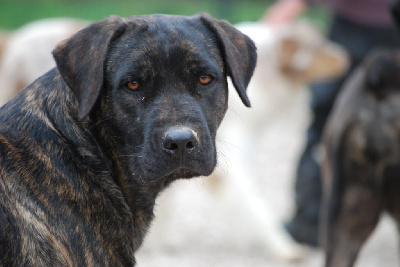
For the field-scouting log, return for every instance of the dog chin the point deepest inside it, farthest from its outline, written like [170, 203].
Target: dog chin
[178, 173]
[185, 174]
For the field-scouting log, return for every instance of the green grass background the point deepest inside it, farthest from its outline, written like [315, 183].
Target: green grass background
[15, 13]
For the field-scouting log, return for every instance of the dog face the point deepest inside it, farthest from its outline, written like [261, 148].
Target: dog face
[157, 90]
[175, 96]
[304, 56]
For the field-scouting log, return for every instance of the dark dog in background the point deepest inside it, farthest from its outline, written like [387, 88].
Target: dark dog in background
[133, 104]
[362, 166]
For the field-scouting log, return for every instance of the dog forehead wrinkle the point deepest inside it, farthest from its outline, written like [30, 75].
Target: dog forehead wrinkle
[175, 32]
[182, 45]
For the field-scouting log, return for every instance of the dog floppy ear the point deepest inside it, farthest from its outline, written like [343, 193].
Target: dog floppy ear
[383, 70]
[80, 60]
[239, 53]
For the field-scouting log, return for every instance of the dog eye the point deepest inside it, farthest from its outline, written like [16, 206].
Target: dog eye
[133, 86]
[205, 79]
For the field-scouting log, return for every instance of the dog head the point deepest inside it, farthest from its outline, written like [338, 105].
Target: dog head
[305, 56]
[156, 88]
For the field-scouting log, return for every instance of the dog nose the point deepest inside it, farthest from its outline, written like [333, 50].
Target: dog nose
[180, 141]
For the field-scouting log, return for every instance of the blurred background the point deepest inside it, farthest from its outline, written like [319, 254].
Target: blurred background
[15, 13]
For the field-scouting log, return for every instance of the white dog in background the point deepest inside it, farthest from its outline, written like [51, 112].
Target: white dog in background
[290, 58]
[258, 150]
[4, 35]
[257, 147]
[26, 53]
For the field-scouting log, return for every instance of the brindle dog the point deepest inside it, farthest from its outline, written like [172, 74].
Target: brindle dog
[133, 104]
[362, 167]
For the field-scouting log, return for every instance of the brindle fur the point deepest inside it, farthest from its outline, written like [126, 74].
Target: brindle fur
[81, 160]
[362, 167]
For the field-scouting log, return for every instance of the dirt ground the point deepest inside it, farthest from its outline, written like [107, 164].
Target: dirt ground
[380, 250]
[197, 226]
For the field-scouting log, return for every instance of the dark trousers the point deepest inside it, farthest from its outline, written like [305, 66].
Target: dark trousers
[358, 40]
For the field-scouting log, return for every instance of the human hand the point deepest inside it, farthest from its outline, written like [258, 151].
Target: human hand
[284, 11]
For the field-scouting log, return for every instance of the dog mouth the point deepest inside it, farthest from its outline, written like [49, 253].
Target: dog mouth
[174, 152]
[161, 165]
[177, 152]
[182, 173]
[179, 172]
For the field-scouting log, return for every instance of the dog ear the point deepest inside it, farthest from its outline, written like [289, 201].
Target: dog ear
[80, 60]
[382, 70]
[239, 53]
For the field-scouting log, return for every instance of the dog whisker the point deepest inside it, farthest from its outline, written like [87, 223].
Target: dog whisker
[104, 119]
[130, 156]
[187, 121]
[223, 161]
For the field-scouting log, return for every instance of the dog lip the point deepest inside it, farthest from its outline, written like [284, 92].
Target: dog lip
[178, 172]
[184, 172]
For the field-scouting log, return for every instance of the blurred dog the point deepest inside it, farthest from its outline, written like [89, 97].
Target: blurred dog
[4, 35]
[25, 54]
[289, 58]
[362, 164]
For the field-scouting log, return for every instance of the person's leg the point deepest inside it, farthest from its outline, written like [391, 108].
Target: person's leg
[304, 225]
